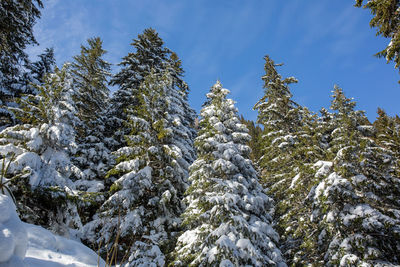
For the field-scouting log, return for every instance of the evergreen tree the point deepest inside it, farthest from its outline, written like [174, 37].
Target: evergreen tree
[90, 73]
[16, 32]
[43, 66]
[386, 18]
[39, 151]
[227, 221]
[355, 203]
[35, 72]
[142, 213]
[150, 54]
[255, 132]
[280, 116]
[388, 136]
[292, 144]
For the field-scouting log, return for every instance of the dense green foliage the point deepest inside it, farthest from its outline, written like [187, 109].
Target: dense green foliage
[17, 18]
[126, 174]
[334, 178]
[386, 18]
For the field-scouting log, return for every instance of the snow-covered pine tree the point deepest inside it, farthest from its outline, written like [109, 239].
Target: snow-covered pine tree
[227, 221]
[93, 156]
[255, 133]
[41, 67]
[280, 116]
[40, 151]
[34, 72]
[150, 54]
[142, 214]
[356, 204]
[16, 32]
[90, 73]
[289, 150]
[388, 136]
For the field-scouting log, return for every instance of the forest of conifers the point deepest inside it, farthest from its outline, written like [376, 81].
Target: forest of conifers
[141, 178]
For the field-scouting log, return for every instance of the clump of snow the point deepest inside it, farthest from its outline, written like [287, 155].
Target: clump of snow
[324, 167]
[294, 180]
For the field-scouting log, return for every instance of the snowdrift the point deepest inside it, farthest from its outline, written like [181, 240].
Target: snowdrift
[27, 245]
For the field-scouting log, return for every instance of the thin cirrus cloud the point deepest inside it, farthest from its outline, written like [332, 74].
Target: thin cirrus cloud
[63, 27]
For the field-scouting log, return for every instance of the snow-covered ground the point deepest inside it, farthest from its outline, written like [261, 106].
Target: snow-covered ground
[27, 245]
[48, 250]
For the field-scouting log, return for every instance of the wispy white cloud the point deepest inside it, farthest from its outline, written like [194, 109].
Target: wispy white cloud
[226, 39]
[63, 28]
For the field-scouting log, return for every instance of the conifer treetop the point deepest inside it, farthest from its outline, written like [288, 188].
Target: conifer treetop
[276, 109]
[150, 55]
[90, 73]
[340, 102]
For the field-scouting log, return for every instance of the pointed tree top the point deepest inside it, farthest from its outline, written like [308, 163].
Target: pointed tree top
[218, 90]
[340, 102]
[217, 84]
[149, 38]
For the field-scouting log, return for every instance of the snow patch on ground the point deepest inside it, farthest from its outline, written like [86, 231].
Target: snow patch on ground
[27, 245]
[13, 236]
[48, 250]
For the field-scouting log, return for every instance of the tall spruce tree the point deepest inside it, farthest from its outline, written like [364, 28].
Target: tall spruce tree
[39, 151]
[90, 74]
[280, 116]
[355, 203]
[290, 148]
[227, 221]
[17, 18]
[142, 214]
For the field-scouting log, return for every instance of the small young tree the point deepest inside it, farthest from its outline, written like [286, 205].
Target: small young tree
[227, 221]
[34, 72]
[40, 150]
[43, 66]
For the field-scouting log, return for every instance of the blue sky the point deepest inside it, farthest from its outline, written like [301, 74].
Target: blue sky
[321, 42]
